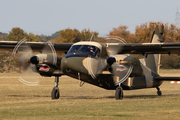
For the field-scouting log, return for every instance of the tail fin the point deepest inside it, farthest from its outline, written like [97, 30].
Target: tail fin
[152, 61]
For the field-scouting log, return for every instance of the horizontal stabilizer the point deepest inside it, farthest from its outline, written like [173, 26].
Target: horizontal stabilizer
[167, 78]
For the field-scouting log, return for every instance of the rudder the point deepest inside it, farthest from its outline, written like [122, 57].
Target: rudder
[152, 61]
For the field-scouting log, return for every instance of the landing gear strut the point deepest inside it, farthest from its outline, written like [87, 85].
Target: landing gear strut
[159, 92]
[119, 93]
[55, 91]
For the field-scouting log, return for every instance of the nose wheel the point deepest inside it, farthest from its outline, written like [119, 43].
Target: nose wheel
[55, 91]
[119, 93]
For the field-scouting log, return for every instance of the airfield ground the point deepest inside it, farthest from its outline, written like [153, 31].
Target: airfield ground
[22, 102]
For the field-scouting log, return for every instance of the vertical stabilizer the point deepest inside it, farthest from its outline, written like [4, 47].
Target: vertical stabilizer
[152, 61]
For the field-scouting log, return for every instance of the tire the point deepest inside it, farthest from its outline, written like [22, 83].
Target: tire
[159, 93]
[55, 93]
[119, 93]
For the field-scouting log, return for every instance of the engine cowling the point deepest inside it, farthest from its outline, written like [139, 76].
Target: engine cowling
[47, 65]
[123, 66]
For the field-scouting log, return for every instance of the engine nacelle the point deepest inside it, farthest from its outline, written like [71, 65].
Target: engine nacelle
[45, 58]
[47, 65]
[127, 60]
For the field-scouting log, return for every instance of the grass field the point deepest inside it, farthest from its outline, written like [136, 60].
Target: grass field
[22, 102]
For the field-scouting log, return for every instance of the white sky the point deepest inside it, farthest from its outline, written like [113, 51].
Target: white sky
[48, 16]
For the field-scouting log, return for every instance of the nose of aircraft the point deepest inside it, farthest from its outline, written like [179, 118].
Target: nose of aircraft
[72, 64]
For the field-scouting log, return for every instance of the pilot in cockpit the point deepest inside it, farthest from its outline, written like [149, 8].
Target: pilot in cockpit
[92, 50]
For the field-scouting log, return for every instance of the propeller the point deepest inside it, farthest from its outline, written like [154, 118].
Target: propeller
[118, 66]
[23, 52]
[121, 70]
[112, 39]
[30, 64]
[95, 66]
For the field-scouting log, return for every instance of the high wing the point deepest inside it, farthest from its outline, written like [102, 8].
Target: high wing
[48, 64]
[113, 48]
[147, 48]
[144, 48]
[167, 78]
[35, 46]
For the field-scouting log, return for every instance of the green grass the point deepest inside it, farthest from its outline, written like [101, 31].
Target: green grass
[22, 102]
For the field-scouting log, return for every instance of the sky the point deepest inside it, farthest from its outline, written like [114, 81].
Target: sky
[48, 16]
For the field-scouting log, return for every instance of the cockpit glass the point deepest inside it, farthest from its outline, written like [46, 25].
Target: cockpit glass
[74, 48]
[84, 49]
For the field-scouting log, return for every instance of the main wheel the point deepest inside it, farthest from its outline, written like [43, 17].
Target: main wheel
[159, 93]
[55, 93]
[119, 93]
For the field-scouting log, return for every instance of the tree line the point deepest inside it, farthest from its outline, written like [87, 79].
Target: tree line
[17, 34]
[142, 34]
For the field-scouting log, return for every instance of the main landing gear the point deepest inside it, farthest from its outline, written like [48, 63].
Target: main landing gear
[55, 91]
[159, 92]
[119, 93]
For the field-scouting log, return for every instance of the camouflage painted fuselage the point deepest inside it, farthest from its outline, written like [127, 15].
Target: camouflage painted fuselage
[93, 69]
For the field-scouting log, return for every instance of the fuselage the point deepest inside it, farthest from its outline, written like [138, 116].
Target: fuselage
[87, 61]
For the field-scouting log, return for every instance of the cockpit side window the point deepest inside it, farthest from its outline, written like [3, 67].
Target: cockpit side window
[93, 50]
[97, 52]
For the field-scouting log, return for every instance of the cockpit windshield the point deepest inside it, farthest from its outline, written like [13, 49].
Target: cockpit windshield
[93, 50]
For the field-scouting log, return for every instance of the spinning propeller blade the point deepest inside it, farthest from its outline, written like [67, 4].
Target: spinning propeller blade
[23, 51]
[121, 72]
[28, 62]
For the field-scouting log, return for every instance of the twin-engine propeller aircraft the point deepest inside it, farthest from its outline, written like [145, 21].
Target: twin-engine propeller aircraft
[106, 65]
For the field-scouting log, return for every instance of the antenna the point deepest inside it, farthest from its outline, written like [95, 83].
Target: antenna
[177, 18]
[92, 36]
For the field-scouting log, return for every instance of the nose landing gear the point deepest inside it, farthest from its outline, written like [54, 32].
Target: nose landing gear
[119, 93]
[55, 91]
